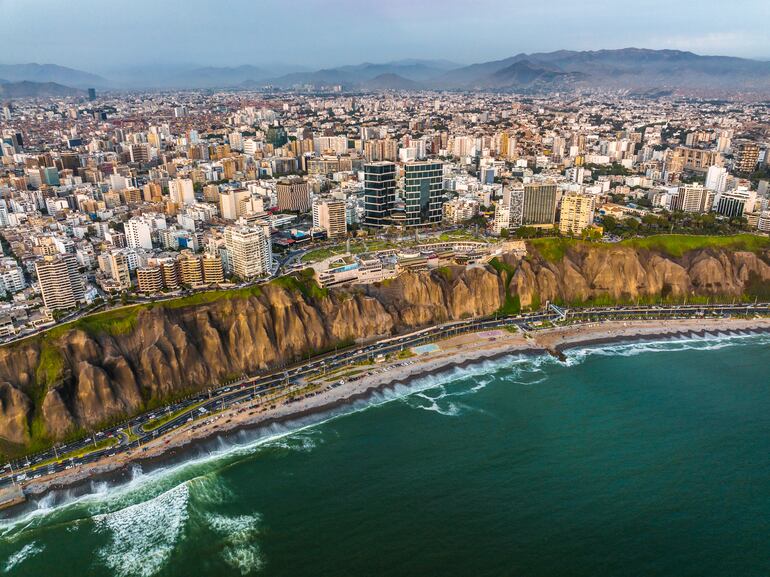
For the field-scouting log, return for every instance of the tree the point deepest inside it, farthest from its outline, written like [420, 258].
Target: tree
[526, 232]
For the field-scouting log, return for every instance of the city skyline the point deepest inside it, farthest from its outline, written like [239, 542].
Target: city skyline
[340, 32]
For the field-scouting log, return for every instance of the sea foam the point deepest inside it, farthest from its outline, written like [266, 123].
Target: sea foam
[143, 536]
[29, 550]
[300, 434]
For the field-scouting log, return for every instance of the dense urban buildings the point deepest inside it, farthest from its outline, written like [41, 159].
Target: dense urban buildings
[103, 200]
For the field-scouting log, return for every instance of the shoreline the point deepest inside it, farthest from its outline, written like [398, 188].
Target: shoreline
[187, 443]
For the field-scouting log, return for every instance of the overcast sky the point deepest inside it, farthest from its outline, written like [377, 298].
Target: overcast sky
[103, 35]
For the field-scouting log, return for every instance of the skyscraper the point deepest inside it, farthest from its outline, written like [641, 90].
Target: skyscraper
[379, 192]
[539, 203]
[60, 282]
[423, 192]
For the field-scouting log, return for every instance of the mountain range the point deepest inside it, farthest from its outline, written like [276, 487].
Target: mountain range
[28, 89]
[631, 69]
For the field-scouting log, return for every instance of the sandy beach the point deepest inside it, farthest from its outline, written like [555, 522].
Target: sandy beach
[325, 392]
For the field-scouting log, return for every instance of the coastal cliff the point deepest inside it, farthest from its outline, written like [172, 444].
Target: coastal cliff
[100, 369]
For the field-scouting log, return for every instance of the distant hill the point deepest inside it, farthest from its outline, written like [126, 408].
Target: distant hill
[51, 73]
[628, 68]
[26, 89]
[359, 75]
[637, 71]
[390, 81]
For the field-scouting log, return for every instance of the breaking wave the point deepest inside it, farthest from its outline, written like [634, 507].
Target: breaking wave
[146, 516]
[143, 536]
[29, 550]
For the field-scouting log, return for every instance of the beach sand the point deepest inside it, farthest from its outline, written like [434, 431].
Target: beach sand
[457, 351]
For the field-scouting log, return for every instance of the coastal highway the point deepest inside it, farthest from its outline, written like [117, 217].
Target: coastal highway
[131, 434]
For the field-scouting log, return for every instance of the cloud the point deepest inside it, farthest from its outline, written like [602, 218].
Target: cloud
[96, 35]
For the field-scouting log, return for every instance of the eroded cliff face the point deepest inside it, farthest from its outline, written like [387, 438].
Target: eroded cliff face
[623, 274]
[53, 386]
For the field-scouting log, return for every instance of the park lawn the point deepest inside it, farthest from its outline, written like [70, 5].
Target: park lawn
[553, 249]
[356, 247]
[676, 245]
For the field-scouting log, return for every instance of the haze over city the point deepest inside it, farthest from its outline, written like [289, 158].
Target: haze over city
[103, 38]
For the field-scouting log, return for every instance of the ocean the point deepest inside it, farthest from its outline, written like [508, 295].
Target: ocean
[644, 459]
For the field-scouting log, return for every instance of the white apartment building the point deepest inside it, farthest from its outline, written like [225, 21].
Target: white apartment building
[249, 250]
[138, 233]
[60, 282]
[182, 191]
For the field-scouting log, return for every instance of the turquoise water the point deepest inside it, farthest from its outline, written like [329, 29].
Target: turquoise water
[632, 460]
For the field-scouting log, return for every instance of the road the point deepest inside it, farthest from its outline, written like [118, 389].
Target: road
[131, 435]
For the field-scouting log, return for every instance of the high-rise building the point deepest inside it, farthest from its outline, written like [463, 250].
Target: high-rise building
[693, 198]
[276, 135]
[423, 192]
[212, 269]
[329, 214]
[330, 144]
[60, 282]
[716, 178]
[502, 220]
[539, 203]
[695, 159]
[577, 213]
[379, 192]
[182, 191]
[138, 233]
[140, 153]
[293, 195]
[116, 265]
[11, 277]
[735, 202]
[513, 196]
[190, 269]
[92, 94]
[50, 175]
[149, 279]
[249, 250]
[747, 157]
[231, 202]
[169, 269]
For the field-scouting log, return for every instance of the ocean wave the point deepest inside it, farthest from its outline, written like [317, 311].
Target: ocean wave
[29, 550]
[708, 342]
[239, 533]
[143, 536]
[433, 392]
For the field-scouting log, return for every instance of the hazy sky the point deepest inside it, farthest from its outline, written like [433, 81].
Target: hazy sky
[102, 35]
